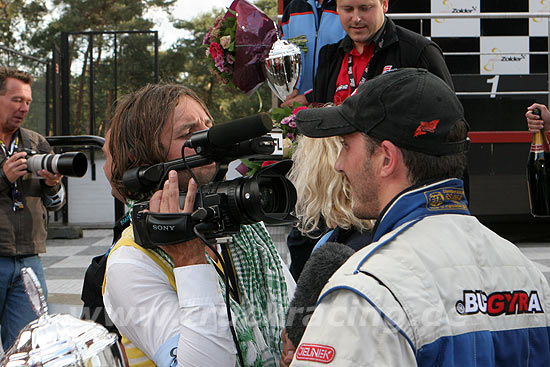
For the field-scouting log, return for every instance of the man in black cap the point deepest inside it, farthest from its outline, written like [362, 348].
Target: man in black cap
[435, 287]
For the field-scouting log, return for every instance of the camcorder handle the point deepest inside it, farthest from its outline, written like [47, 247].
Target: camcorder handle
[144, 179]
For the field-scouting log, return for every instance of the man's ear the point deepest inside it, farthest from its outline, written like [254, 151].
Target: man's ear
[391, 159]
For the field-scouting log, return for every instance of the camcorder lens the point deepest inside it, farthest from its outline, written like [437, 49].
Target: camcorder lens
[267, 196]
[268, 201]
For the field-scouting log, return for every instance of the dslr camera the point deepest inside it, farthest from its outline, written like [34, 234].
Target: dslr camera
[73, 164]
[221, 207]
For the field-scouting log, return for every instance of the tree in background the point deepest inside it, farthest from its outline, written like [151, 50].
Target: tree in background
[18, 22]
[181, 63]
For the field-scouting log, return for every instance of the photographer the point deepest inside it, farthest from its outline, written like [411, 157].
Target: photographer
[24, 199]
[167, 301]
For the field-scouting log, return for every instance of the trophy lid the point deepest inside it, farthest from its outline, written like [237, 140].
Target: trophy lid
[283, 48]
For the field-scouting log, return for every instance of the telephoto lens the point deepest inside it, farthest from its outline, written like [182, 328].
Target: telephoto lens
[73, 164]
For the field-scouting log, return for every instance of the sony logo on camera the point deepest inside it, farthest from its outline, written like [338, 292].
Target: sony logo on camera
[164, 228]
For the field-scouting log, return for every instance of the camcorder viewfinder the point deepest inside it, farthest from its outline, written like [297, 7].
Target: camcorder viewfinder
[221, 207]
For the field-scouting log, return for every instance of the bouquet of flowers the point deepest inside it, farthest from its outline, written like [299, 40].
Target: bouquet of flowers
[220, 52]
[237, 43]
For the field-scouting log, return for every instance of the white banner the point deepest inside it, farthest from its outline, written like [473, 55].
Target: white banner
[504, 55]
[539, 26]
[455, 27]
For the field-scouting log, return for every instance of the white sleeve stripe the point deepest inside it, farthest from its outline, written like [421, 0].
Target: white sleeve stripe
[382, 314]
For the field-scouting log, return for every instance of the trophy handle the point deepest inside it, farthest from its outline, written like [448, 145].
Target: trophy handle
[276, 30]
[34, 291]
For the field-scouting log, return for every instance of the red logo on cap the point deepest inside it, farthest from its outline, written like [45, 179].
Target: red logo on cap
[426, 127]
[315, 353]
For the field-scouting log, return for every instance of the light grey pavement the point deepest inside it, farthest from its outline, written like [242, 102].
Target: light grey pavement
[65, 263]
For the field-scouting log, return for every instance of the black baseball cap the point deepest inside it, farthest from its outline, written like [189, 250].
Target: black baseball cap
[412, 108]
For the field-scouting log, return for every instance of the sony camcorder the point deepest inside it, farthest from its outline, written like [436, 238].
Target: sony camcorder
[74, 164]
[221, 207]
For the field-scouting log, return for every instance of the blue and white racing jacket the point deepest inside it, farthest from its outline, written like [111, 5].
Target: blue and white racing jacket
[300, 18]
[435, 288]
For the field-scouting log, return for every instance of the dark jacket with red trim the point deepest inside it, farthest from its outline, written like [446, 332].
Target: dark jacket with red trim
[395, 46]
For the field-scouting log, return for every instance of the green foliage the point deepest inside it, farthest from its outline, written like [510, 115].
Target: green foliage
[18, 21]
[269, 7]
[230, 28]
[280, 113]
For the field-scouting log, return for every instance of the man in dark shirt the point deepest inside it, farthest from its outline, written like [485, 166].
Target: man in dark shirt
[373, 45]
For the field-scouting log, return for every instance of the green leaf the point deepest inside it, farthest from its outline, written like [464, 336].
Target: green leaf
[253, 166]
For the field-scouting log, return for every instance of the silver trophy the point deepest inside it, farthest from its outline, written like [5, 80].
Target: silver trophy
[282, 68]
[60, 340]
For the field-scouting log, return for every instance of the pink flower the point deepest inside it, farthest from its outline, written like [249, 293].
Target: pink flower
[217, 23]
[230, 59]
[206, 38]
[299, 109]
[215, 51]
[220, 64]
[290, 136]
[225, 41]
[292, 124]
[287, 120]
[215, 29]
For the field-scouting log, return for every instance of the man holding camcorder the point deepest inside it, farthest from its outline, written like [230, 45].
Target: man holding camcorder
[167, 301]
[24, 199]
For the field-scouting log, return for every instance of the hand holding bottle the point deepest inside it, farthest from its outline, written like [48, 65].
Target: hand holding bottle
[538, 169]
[537, 122]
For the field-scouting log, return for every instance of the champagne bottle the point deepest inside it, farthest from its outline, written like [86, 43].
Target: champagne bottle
[538, 174]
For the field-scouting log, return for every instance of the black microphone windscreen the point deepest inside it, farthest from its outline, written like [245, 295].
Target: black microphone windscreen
[232, 132]
[318, 269]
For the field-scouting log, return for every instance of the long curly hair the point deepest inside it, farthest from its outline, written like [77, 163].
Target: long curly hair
[322, 191]
[136, 129]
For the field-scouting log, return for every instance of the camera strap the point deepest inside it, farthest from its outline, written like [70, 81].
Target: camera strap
[16, 195]
[13, 145]
[230, 270]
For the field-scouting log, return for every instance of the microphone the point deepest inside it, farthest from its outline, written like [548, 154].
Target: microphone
[317, 271]
[231, 132]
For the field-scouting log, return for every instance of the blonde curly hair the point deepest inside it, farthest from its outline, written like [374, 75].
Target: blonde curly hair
[322, 191]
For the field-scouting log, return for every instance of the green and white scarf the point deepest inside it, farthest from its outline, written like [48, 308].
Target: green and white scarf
[260, 318]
